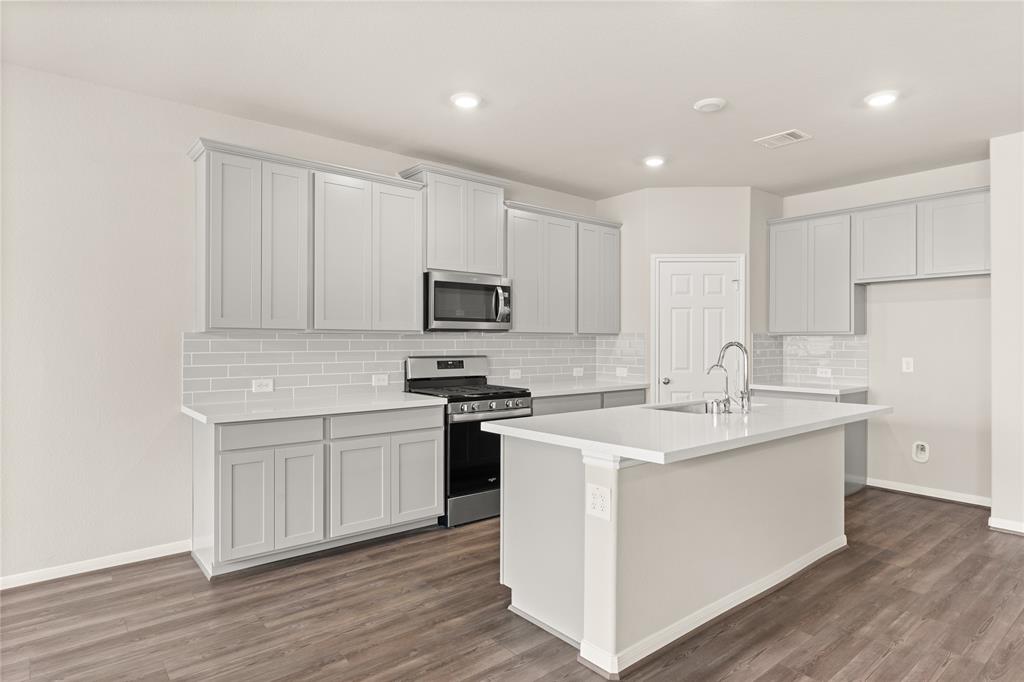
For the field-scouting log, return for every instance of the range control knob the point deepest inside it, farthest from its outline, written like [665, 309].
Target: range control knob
[508, 403]
[493, 405]
[464, 407]
[519, 402]
[475, 406]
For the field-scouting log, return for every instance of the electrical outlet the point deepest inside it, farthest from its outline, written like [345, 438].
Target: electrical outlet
[824, 372]
[621, 371]
[908, 365]
[599, 501]
[262, 385]
[921, 452]
[577, 371]
[515, 374]
[379, 379]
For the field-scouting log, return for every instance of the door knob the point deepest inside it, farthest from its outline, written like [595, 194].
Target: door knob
[666, 381]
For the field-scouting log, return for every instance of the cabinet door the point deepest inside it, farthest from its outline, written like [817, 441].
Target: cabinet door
[446, 223]
[417, 475]
[343, 252]
[598, 279]
[953, 234]
[397, 258]
[558, 278]
[829, 288]
[285, 239]
[360, 485]
[298, 495]
[787, 282]
[246, 514]
[234, 246]
[524, 267]
[885, 243]
[485, 229]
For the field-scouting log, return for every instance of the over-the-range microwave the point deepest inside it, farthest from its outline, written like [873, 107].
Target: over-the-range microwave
[458, 300]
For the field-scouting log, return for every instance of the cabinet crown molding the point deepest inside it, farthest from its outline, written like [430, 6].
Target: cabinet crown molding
[556, 213]
[884, 204]
[206, 145]
[453, 172]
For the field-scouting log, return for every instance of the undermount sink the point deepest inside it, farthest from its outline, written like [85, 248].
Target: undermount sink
[695, 408]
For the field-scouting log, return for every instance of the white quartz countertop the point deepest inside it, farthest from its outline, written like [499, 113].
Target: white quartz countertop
[345, 403]
[809, 388]
[579, 386]
[645, 433]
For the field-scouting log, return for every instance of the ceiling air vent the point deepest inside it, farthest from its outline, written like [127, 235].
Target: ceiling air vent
[782, 139]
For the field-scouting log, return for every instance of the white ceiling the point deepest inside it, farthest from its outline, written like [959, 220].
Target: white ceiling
[575, 93]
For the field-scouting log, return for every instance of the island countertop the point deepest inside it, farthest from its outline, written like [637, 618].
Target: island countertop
[650, 434]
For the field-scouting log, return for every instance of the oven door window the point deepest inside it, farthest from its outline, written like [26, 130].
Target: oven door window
[460, 302]
[474, 459]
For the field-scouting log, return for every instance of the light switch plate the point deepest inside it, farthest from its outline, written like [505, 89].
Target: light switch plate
[515, 374]
[379, 379]
[908, 365]
[621, 371]
[262, 385]
[599, 501]
[577, 371]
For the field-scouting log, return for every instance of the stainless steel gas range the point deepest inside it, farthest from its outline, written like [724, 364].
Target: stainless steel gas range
[472, 457]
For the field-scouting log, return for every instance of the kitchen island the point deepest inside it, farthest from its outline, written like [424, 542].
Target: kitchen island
[625, 529]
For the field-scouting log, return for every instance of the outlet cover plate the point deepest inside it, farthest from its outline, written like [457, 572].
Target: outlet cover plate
[379, 379]
[599, 501]
[262, 385]
[824, 372]
[577, 371]
[621, 371]
[515, 374]
[907, 365]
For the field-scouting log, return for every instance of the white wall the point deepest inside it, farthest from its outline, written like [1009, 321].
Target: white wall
[97, 288]
[1007, 157]
[944, 325]
[763, 207]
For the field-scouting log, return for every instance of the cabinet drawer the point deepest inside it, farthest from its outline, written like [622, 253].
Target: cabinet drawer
[566, 403]
[623, 398]
[387, 421]
[277, 432]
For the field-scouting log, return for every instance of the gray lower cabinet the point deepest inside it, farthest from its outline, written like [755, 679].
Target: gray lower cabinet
[246, 509]
[417, 475]
[577, 402]
[360, 484]
[298, 495]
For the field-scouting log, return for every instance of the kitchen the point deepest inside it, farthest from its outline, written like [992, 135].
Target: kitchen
[344, 339]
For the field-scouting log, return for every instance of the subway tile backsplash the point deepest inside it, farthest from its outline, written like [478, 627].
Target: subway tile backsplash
[220, 366]
[796, 359]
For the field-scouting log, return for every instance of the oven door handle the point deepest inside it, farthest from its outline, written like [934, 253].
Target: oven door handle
[488, 416]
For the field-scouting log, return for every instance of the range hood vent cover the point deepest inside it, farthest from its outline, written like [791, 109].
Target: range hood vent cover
[782, 139]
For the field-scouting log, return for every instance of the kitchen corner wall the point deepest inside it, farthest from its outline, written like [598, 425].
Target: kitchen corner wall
[220, 366]
[944, 324]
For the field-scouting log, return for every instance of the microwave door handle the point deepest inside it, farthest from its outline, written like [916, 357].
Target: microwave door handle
[497, 304]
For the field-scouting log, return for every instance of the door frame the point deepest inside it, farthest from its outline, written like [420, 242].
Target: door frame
[657, 260]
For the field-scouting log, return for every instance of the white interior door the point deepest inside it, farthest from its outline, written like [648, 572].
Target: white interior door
[699, 307]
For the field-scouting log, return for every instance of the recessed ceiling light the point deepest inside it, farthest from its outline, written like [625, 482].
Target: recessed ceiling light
[882, 98]
[466, 100]
[709, 105]
[654, 161]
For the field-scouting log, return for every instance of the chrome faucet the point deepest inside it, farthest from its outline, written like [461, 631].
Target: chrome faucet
[744, 400]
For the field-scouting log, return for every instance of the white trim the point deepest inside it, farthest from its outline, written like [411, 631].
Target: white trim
[203, 145]
[884, 204]
[543, 210]
[543, 626]
[453, 172]
[1006, 525]
[108, 561]
[656, 260]
[937, 493]
[613, 663]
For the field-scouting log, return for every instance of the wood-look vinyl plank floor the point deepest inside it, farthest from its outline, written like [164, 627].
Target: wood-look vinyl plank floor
[925, 592]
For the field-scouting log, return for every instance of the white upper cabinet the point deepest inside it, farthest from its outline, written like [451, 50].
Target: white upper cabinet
[953, 235]
[829, 288]
[885, 243]
[285, 237]
[598, 279]
[397, 291]
[542, 265]
[465, 219]
[343, 252]
[787, 249]
[235, 205]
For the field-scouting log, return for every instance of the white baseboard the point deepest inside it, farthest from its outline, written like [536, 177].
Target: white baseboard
[1006, 525]
[937, 493]
[64, 570]
[615, 664]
